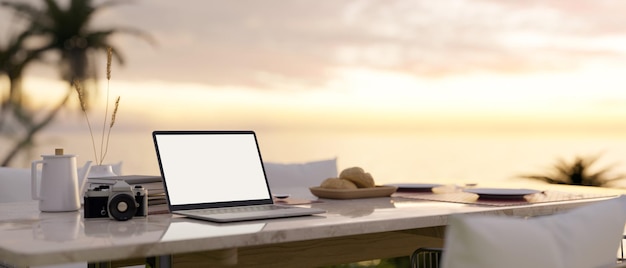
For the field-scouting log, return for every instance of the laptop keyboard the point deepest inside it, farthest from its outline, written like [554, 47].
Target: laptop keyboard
[213, 211]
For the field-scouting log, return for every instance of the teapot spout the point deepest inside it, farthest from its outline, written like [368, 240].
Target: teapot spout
[82, 177]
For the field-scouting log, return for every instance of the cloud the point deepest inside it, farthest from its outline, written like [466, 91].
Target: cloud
[261, 44]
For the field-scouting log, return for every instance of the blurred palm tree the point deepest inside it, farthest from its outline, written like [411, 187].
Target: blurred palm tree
[13, 59]
[578, 172]
[14, 115]
[66, 31]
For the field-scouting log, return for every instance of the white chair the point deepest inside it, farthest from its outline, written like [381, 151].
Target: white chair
[296, 178]
[15, 184]
[587, 236]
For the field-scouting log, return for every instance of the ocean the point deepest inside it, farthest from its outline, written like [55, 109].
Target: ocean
[417, 157]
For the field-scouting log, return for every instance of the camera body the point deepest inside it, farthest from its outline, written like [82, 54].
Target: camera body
[119, 201]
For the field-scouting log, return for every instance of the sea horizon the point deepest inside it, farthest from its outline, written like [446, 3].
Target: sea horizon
[405, 157]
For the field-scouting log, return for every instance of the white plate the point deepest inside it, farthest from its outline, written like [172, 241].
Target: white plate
[414, 187]
[502, 193]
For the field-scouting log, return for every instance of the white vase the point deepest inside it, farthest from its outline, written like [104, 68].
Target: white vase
[99, 171]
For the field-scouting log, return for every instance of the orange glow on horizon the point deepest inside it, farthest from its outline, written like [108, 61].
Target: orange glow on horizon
[376, 100]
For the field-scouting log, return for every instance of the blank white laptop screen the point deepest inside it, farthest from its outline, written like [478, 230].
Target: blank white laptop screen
[207, 168]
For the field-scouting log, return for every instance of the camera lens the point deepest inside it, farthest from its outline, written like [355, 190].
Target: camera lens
[122, 207]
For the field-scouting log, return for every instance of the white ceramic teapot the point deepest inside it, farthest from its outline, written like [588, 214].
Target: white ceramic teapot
[58, 189]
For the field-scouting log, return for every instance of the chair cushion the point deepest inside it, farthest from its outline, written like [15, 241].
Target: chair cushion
[296, 178]
[587, 236]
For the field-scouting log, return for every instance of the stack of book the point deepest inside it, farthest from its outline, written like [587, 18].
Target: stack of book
[157, 202]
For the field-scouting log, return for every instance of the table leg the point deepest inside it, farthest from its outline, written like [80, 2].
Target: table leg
[164, 261]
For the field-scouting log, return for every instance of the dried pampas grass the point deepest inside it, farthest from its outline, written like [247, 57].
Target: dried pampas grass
[104, 145]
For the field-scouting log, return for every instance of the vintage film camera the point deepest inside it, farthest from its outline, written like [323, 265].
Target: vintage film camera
[119, 201]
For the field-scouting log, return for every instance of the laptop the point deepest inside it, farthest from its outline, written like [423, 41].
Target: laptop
[217, 176]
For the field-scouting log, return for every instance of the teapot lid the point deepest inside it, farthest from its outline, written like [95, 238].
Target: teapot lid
[58, 152]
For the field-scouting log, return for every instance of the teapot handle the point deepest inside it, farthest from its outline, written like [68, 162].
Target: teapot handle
[33, 178]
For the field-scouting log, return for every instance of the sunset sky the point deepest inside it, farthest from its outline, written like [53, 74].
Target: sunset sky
[390, 65]
[409, 89]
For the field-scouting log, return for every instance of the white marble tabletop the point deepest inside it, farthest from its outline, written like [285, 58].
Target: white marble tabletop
[29, 237]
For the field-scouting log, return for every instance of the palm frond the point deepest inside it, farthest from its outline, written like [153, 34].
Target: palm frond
[578, 172]
[22, 9]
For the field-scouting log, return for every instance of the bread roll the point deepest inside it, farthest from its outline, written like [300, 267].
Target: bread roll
[337, 183]
[358, 176]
